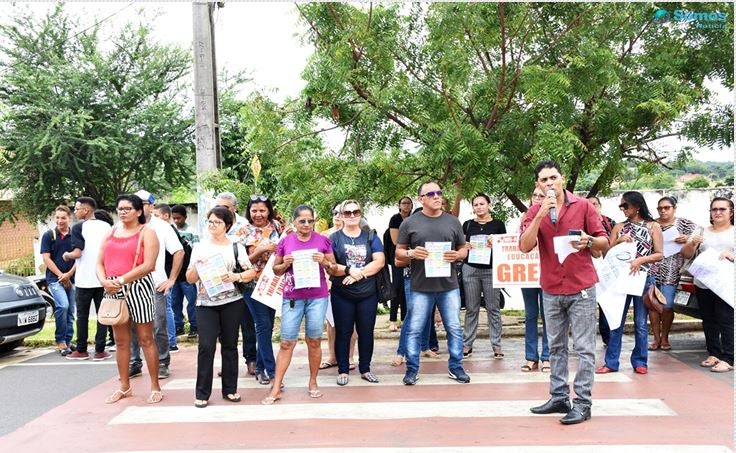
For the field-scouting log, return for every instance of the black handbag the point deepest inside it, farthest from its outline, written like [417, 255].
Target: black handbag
[242, 286]
[384, 289]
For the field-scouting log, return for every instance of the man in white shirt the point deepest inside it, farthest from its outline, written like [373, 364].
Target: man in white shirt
[87, 237]
[169, 243]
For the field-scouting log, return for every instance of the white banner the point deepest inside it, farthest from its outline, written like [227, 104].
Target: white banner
[716, 274]
[511, 267]
[270, 287]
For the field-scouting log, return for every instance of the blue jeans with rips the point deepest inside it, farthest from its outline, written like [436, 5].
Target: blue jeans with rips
[448, 303]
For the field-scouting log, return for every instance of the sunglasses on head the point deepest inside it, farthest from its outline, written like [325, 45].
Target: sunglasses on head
[258, 198]
[305, 221]
[354, 213]
[432, 194]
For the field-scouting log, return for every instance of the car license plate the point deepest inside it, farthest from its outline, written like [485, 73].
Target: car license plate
[682, 298]
[28, 317]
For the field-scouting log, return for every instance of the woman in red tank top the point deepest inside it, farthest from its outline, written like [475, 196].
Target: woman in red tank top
[124, 268]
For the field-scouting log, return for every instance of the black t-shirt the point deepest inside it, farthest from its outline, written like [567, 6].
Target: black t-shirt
[473, 228]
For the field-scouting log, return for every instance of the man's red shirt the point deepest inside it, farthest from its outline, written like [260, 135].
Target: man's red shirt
[577, 272]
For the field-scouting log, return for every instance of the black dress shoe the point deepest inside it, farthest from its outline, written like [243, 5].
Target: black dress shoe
[553, 407]
[576, 415]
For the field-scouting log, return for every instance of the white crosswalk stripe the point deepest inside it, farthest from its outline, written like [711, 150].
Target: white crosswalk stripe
[394, 410]
[458, 449]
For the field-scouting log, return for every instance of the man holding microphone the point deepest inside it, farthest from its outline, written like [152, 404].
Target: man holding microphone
[568, 288]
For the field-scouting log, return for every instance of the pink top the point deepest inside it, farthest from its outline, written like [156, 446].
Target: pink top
[119, 254]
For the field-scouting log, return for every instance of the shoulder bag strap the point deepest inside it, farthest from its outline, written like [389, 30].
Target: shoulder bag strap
[138, 247]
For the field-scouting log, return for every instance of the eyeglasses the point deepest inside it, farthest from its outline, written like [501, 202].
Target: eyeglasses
[124, 209]
[355, 213]
[305, 221]
[258, 198]
[623, 206]
[214, 223]
[538, 196]
[432, 194]
[718, 209]
[664, 208]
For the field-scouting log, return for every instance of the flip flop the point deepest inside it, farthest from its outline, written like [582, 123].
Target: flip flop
[232, 397]
[352, 366]
[498, 355]
[324, 365]
[397, 361]
[666, 346]
[269, 400]
[117, 395]
[527, 368]
[546, 368]
[315, 393]
[721, 367]
[156, 397]
[654, 346]
[200, 403]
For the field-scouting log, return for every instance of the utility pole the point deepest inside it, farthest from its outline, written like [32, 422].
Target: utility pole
[207, 129]
[206, 118]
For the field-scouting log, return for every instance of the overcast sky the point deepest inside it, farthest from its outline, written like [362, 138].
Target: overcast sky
[259, 37]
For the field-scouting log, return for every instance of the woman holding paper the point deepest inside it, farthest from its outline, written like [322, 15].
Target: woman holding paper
[478, 275]
[641, 229]
[354, 302]
[717, 313]
[302, 256]
[262, 235]
[675, 231]
[219, 304]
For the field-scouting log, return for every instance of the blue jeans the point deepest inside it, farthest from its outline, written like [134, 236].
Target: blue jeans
[263, 317]
[429, 329]
[63, 312]
[177, 294]
[669, 292]
[533, 307]
[641, 331]
[449, 304]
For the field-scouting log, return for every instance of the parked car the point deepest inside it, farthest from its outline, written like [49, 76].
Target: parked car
[686, 302]
[22, 310]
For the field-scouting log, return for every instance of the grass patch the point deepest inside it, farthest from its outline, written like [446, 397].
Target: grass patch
[46, 337]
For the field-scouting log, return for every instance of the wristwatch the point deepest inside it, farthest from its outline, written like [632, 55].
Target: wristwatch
[410, 254]
[590, 242]
[347, 269]
[121, 280]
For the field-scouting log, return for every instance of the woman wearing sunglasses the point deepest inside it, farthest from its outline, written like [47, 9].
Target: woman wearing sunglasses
[669, 272]
[218, 314]
[717, 314]
[262, 235]
[354, 302]
[641, 229]
[308, 303]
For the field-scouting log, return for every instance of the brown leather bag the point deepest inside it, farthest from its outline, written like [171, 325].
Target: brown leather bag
[654, 299]
[114, 311]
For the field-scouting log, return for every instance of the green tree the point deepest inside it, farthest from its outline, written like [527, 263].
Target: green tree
[473, 94]
[81, 118]
[698, 182]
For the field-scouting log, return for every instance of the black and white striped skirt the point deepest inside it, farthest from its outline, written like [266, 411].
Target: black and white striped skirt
[140, 299]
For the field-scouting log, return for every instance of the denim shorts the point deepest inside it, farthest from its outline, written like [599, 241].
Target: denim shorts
[313, 310]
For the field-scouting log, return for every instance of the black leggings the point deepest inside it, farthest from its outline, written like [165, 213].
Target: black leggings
[717, 324]
[397, 281]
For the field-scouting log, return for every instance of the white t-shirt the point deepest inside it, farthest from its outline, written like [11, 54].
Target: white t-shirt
[720, 242]
[88, 236]
[167, 242]
[207, 249]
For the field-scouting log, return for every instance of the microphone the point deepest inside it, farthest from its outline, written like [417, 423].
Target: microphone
[552, 210]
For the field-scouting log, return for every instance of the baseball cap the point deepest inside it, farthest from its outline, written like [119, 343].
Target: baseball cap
[145, 196]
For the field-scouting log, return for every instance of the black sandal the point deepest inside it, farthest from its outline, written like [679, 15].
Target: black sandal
[263, 378]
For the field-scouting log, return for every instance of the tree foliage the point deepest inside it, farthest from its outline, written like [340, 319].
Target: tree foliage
[83, 114]
[473, 94]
